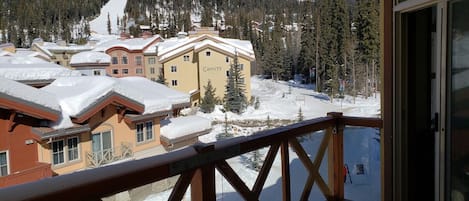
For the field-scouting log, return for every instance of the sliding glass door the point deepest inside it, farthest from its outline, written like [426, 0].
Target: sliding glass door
[458, 100]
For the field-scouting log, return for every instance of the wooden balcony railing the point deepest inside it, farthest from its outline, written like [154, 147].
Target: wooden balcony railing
[196, 166]
[96, 159]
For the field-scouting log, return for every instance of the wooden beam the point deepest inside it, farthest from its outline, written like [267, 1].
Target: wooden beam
[121, 114]
[230, 175]
[203, 182]
[336, 158]
[11, 121]
[181, 186]
[269, 160]
[286, 188]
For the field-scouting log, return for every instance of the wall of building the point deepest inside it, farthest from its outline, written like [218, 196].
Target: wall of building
[45, 154]
[131, 65]
[186, 73]
[215, 68]
[21, 147]
[122, 134]
[156, 66]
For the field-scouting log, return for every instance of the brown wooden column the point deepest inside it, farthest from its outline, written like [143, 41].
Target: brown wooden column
[336, 158]
[203, 182]
[286, 189]
[386, 40]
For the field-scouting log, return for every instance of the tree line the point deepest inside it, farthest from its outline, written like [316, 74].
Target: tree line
[21, 21]
[333, 43]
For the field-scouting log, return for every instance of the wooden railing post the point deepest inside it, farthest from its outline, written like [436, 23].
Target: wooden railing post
[203, 182]
[336, 159]
[286, 189]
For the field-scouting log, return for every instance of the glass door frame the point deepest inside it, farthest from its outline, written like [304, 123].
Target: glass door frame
[399, 10]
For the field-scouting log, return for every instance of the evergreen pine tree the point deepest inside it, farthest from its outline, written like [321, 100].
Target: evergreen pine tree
[255, 161]
[161, 79]
[300, 115]
[235, 99]
[367, 41]
[208, 102]
[108, 24]
[268, 122]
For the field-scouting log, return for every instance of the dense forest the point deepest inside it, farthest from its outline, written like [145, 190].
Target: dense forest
[51, 20]
[333, 43]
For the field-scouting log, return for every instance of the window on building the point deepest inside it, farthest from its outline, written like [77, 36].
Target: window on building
[125, 71]
[96, 72]
[152, 70]
[173, 69]
[139, 132]
[241, 80]
[4, 163]
[72, 148]
[186, 57]
[58, 156]
[227, 59]
[124, 60]
[138, 60]
[174, 82]
[151, 60]
[115, 71]
[227, 73]
[241, 66]
[144, 131]
[139, 71]
[208, 53]
[114, 60]
[149, 130]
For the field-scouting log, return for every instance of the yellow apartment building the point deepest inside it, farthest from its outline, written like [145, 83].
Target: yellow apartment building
[188, 63]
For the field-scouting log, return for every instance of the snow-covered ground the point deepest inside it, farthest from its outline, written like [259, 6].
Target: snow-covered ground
[115, 8]
[361, 145]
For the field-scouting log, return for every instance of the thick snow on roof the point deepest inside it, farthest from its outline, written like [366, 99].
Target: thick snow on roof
[29, 53]
[157, 97]
[28, 93]
[173, 46]
[75, 94]
[90, 57]
[175, 128]
[130, 44]
[31, 68]
[69, 47]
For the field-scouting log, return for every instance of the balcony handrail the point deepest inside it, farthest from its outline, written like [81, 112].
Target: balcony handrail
[101, 182]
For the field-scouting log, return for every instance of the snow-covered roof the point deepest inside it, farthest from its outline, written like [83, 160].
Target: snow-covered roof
[32, 68]
[154, 92]
[90, 57]
[54, 47]
[174, 46]
[28, 94]
[130, 44]
[76, 94]
[180, 127]
[30, 53]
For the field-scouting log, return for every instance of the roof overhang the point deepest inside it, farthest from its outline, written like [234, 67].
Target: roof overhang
[28, 108]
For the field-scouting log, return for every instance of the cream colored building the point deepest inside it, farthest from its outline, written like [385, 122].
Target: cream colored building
[190, 62]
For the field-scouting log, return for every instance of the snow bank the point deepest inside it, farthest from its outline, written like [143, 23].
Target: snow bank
[90, 57]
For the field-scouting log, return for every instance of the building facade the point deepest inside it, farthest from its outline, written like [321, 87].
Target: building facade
[188, 63]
